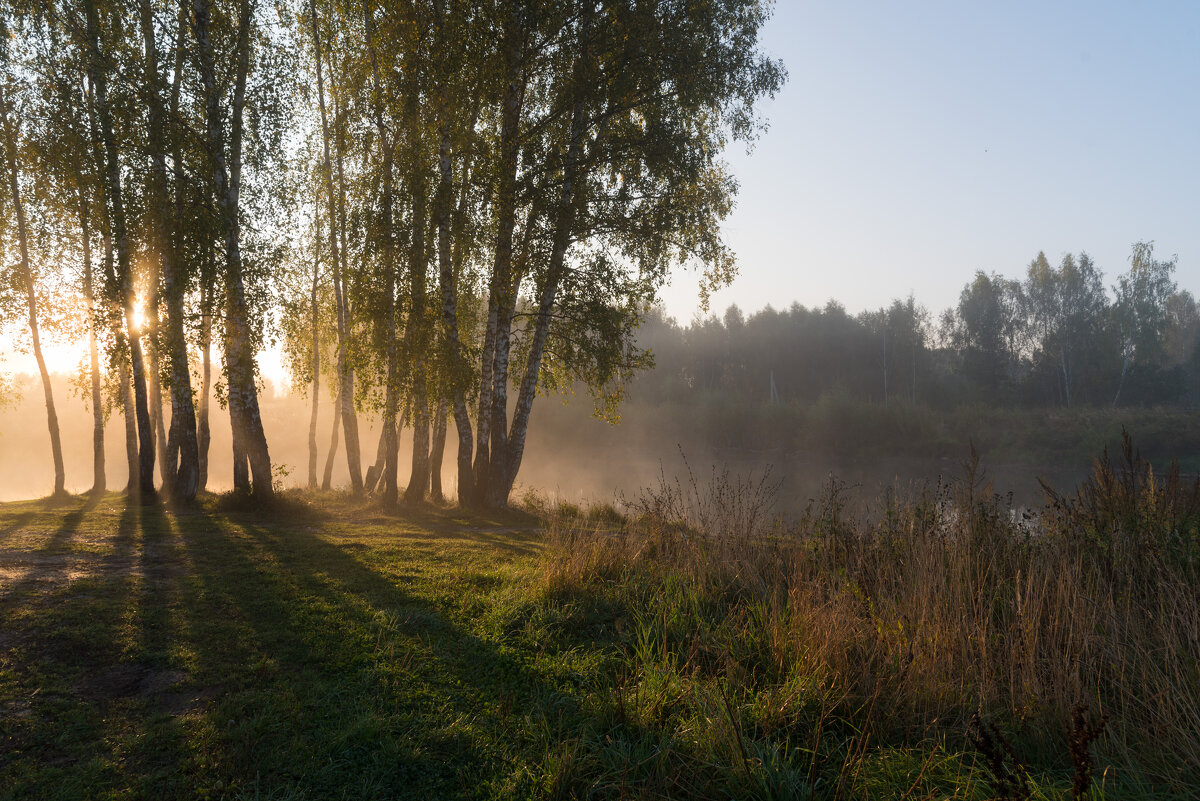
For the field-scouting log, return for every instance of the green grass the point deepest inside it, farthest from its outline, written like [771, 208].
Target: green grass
[325, 650]
[289, 654]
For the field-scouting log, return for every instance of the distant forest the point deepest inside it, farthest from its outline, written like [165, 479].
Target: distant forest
[1059, 337]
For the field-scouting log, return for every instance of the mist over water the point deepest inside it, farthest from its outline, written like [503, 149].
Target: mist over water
[578, 458]
[571, 455]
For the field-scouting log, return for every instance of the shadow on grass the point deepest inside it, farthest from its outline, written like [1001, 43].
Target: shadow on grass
[44, 559]
[254, 655]
[336, 678]
[15, 524]
[61, 660]
[233, 653]
[513, 531]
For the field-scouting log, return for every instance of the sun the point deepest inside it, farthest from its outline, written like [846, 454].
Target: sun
[139, 314]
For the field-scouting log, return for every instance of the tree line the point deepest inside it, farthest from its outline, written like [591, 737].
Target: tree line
[432, 205]
[1059, 336]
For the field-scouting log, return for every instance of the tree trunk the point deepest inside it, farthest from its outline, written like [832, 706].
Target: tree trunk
[156, 192]
[10, 136]
[327, 479]
[418, 482]
[484, 415]
[128, 410]
[509, 463]
[114, 195]
[389, 440]
[416, 333]
[110, 279]
[496, 489]
[179, 454]
[203, 434]
[438, 452]
[99, 479]
[454, 356]
[374, 475]
[153, 381]
[501, 284]
[249, 439]
[344, 373]
[316, 379]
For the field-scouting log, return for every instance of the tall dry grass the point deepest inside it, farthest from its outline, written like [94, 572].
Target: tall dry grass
[937, 606]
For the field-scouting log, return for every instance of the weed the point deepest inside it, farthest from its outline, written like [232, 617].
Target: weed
[1079, 739]
[1008, 774]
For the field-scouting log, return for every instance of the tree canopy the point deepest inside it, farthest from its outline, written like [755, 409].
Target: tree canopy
[431, 204]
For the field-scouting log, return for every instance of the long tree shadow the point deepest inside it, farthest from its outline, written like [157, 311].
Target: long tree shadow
[44, 561]
[65, 634]
[15, 524]
[240, 654]
[511, 531]
[356, 674]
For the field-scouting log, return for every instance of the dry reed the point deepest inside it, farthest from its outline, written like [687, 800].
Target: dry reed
[941, 605]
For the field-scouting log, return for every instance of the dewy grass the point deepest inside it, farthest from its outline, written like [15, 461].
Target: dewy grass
[695, 648]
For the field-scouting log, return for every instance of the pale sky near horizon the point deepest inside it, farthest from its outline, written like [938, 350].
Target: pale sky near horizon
[918, 142]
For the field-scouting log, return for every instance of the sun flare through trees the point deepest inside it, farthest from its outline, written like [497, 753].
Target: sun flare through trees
[433, 205]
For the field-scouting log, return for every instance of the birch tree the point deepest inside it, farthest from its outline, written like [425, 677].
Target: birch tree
[26, 276]
[251, 459]
[620, 180]
[337, 252]
[99, 68]
[1140, 311]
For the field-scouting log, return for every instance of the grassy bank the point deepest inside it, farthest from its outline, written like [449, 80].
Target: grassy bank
[324, 649]
[950, 646]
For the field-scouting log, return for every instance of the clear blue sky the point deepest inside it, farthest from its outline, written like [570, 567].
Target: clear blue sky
[917, 142]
